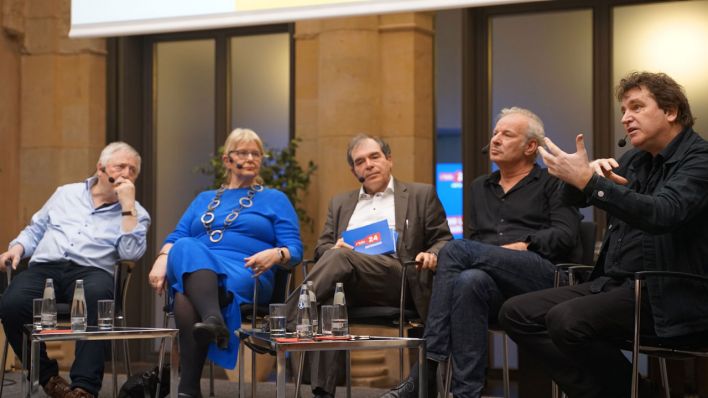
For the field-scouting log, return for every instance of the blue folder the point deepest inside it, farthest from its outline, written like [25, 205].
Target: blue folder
[374, 238]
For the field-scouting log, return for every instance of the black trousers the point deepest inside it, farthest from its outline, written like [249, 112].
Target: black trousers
[16, 310]
[574, 333]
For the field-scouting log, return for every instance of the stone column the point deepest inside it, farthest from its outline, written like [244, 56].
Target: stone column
[371, 74]
[61, 103]
[52, 110]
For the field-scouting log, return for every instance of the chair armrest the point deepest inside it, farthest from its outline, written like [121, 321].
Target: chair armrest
[643, 275]
[122, 273]
[572, 269]
[306, 267]
[128, 265]
[566, 266]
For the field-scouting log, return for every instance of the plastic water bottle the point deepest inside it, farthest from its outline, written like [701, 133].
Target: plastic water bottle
[313, 308]
[340, 321]
[49, 306]
[304, 319]
[78, 308]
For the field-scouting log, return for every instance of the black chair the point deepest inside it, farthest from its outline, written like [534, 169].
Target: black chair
[587, 244]
[122, 273]
[678, 347]
[252, 313]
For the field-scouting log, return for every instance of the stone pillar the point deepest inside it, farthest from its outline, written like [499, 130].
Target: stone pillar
[9, 125]
[59, 107]
[371, 74]
[52, 110]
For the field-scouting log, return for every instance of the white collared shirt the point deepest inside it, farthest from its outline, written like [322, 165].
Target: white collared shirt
[372, 208]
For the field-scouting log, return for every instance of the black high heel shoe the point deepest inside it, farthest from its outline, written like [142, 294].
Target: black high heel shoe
[185, 395]
[212, 330]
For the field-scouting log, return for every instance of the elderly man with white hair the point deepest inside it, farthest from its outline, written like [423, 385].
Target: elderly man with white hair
[79, 233]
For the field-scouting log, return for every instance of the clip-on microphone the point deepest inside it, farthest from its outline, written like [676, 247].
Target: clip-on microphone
[110, 179]
[622, 141]
[238, 165]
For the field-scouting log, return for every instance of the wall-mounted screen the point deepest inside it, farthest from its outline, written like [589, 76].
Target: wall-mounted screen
[91, 18]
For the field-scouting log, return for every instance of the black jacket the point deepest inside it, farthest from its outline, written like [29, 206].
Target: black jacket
[674, 218]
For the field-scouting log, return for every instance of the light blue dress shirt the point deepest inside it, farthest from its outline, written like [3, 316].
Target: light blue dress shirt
[69, 228]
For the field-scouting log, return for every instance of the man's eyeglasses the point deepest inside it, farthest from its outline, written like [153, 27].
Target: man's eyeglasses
[132, 170]
[243, 155]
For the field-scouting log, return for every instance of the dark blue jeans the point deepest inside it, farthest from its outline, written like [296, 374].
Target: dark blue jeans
[16, 310]
[471, 282]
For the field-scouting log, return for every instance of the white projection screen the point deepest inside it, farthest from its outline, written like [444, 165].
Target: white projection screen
[106, 18]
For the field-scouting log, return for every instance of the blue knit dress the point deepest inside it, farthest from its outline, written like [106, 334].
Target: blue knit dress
[270, 222]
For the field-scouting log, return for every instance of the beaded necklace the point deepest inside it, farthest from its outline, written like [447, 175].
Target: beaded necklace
[215, 235]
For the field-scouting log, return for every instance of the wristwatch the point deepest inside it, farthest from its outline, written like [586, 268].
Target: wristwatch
[131, 212]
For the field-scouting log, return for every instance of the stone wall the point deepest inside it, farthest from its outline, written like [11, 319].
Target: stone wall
[371, 74]
[52, 112]
[52, 106]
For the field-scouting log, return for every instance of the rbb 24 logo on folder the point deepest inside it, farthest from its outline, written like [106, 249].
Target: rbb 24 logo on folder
[374, 238]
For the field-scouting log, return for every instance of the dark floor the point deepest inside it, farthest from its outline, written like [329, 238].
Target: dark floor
[223, 388]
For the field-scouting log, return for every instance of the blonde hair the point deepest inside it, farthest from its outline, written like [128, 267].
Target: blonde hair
[241, 136]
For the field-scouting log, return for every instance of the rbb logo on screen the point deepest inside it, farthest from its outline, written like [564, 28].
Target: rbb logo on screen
[369, 240]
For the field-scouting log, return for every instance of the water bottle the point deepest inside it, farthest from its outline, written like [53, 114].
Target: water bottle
[313, 308]
[304, 324]
[78, 308]
[340, 320]
[49, 306]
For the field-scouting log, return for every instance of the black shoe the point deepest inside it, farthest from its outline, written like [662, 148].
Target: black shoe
[212, 330]
[320, 393]
[407, 389]
[185, 395]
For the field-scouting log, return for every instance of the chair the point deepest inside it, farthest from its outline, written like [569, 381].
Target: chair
[250, 313]
[587, 244]
[122, 273]
[679, 347]
[281, 288]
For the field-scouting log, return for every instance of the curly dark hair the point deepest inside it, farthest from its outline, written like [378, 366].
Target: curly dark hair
[667, 93]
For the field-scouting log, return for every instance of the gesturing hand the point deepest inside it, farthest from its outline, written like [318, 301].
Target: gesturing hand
[604, 168]
[572, 168]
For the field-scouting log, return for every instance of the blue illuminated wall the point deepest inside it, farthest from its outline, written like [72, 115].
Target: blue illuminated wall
[448, 178]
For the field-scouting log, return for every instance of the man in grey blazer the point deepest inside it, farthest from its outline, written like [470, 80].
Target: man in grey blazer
[416, 214]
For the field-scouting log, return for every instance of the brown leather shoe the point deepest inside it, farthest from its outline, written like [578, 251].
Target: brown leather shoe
[57, 387]
[78, 392]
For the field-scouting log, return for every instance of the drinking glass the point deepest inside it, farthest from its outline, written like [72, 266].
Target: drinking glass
[277, 316]
[327, 312]
[105, 314]
[37, 313]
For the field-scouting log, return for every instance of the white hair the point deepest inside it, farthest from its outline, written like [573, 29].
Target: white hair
[535, 129]
[115, 147]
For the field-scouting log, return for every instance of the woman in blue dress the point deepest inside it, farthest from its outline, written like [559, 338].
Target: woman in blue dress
[222, 242]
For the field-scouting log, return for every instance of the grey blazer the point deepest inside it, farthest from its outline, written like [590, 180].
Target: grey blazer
[420, 222]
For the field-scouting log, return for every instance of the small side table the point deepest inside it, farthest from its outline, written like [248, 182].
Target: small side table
[36, 337]
[279, 348]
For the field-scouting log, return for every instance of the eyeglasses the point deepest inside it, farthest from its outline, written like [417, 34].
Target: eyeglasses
[132, 170]
[243, 155]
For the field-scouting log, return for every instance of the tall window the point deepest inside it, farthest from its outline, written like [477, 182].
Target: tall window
[203, 86]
